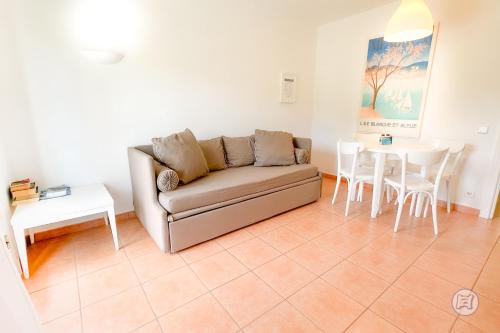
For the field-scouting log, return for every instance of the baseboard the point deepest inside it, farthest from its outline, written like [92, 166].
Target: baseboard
[441, 203]
[46, 234]
[131, 215]
[328, 175]
[460, 208]
[343, 180]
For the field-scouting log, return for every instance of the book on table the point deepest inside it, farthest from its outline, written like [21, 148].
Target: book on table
[26, 197]
[23, 191]
[20, 185]
[55, 192]
[33, 189]
[16, 202]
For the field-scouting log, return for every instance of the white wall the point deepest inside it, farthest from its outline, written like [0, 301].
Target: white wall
[17, 313]
[18, 153]
[212, 66]
[464, 90]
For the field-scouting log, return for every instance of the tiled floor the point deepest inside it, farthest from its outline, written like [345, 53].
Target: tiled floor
[309, 270]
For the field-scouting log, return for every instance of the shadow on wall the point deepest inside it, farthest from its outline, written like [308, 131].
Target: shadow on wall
[462, 13]
[326, 158]
[5, 209]
[5, 214]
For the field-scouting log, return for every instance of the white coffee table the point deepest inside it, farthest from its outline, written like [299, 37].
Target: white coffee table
[83, 201]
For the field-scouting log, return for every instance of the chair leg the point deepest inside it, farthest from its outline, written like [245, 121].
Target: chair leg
[389, 193]
[427, 201]
[400, 211]
[353, 191]
[336, 189]
[350, 187]
[360, 191]
[448, 201]
[412, 204]
[434, 216]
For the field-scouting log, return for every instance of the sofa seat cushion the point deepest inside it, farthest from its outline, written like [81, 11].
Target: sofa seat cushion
[228, 184]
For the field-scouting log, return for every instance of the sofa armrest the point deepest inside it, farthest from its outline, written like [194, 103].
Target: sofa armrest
[143, 178]
[145, 197]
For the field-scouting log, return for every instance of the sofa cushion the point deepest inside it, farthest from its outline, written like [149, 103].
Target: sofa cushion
[181, 153]
[239, 151]
[301, 156]
[213, 150]
[233, 183]
[166, 178]
[273, 148]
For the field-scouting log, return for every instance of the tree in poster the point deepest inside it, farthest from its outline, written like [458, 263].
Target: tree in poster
[388, 60]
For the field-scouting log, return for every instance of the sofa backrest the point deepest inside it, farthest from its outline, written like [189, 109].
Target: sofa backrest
[148, 149]
[303, 143]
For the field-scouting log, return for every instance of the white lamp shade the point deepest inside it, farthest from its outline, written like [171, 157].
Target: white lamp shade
[411, 21]
[102, 56]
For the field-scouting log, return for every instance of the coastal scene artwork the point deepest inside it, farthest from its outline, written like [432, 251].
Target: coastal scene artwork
[394, 86]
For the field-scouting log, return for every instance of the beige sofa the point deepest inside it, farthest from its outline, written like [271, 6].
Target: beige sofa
[219, 203]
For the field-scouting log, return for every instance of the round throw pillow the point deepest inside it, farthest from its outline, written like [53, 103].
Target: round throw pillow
[167, 180]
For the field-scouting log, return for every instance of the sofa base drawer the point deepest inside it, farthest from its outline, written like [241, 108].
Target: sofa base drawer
[198, 228]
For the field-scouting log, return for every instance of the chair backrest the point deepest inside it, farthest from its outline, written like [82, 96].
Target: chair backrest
[438, 156]
[426, 158]
[347, 150]
[456, 153]
[454, 146]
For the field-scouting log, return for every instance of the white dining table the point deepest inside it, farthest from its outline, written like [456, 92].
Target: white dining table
[381, 153]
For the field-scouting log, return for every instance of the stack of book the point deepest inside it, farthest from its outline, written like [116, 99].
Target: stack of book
[23, 191]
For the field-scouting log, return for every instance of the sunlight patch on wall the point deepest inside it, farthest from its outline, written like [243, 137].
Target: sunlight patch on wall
[106, 24]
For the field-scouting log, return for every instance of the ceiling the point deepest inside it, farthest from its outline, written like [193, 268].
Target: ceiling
[324, 11]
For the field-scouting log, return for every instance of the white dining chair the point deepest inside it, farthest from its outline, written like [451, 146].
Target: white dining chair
[366, 159]
[349, 168]
[410, 184]
[456, 150]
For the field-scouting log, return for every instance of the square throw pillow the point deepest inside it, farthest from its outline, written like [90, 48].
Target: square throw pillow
[213, 150]
[301, 156]
[239, 151]
[274, 148]
[181, 153]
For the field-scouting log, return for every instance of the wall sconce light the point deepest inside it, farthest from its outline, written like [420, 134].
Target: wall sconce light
[105, 30]
[102, 56]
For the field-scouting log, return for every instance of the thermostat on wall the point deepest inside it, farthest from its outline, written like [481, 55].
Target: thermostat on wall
[288, 88]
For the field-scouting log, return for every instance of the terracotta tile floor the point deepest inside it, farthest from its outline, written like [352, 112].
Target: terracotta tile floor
[308, 270]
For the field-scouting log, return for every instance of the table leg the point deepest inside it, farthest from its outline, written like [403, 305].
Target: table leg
[106, 220]
[112, 222]
[32, 236]
[378, 184]
[21, 250]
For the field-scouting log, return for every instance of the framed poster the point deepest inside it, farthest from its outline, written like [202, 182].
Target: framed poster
[395, 86]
